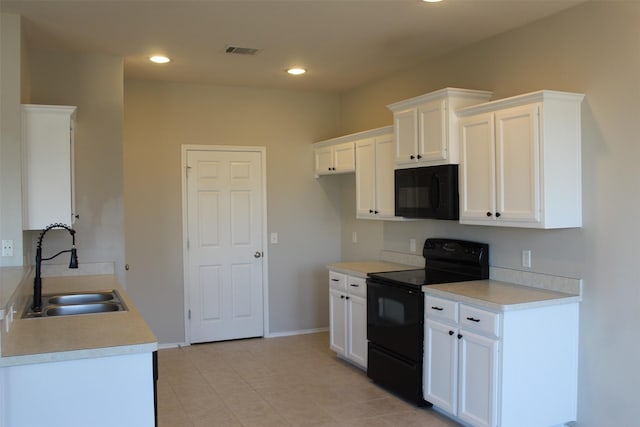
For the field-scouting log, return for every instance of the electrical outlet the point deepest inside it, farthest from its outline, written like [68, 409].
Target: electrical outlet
[526, 258]
[274, 238]
[7, 248]
[412, 245]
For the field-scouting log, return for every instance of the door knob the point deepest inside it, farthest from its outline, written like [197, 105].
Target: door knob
[257, 254]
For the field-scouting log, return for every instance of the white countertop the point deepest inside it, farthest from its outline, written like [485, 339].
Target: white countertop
[61, 338]
[361, 269]
[500, 296]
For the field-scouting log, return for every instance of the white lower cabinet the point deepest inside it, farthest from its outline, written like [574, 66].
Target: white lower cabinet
[100, 392]
[348, 317]
[515, 368]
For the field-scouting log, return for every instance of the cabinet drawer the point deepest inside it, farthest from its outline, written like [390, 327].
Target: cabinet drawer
[357, 286]
[441, 308]
[483, 321]
[337, 281]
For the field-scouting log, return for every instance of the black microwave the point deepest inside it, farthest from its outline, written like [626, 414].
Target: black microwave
[427, 192]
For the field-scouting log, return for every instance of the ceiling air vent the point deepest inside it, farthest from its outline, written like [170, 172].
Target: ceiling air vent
[237, 50]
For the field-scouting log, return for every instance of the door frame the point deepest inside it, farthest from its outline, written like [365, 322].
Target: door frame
[185, 233]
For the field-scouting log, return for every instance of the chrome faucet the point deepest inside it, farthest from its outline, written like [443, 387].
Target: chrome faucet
[37, 281]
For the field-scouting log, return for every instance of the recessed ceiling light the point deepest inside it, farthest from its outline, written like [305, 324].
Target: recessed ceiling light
[296, 71]
[159, 59]
[432, 1]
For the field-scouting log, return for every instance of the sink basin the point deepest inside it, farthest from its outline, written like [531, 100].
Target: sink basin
[81, 298]
[77, 303]
[68, 310]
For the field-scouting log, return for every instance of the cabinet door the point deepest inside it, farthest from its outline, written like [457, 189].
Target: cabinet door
[365, 178]
[432, 133]
[477, 168]
[324, 160]
[384, 176]
[441, 365]
[338, 322]
[406, 133]
[47, 152]
[357, 329]
[518, 163]
[477, 387]
[344, 157]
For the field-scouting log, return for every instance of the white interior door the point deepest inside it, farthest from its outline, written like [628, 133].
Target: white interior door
[224, 257]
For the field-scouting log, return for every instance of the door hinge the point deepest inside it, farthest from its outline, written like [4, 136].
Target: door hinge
[186, 171]
[189, 315]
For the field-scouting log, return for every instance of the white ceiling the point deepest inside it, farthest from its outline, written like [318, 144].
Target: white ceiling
[343, 43]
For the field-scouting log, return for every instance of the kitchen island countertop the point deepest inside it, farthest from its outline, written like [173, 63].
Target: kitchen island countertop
[61, 338]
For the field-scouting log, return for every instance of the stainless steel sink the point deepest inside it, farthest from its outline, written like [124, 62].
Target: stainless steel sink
[81, 298]
[77, 303]
[69, 310]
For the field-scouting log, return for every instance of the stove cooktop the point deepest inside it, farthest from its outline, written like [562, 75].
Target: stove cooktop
[419, 278]
[446, 261]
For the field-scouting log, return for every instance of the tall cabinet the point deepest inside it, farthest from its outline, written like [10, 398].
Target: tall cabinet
[374, 175]
[48, 165]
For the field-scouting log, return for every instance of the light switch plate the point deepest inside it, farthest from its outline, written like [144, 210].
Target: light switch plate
[274, 238]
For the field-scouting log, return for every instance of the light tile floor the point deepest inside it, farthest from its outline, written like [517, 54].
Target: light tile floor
[288, 381]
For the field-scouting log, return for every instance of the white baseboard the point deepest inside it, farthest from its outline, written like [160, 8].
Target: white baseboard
[166, 346]
[300, 332]
[172, 345]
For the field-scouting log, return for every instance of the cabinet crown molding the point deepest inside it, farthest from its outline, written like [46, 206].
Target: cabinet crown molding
[354, 136]
[527, 98]
[482, 95]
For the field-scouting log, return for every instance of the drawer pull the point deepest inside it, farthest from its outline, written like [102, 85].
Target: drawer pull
[354, 285]
[473, 320]
[335, 280]
[437, 308]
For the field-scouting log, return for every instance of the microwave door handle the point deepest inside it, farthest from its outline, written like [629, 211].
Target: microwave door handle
[435, 192]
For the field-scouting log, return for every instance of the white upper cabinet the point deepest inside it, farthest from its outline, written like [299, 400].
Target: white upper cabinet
[375, 176]
[47, 169]
[426, 126]
[334, 158]
[520, 162]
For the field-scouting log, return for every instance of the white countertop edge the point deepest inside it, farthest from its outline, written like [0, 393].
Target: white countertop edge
[332, 267]
[569, 299]
[64, 356]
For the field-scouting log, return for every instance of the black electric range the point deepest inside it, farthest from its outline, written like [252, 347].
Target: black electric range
[395, 311]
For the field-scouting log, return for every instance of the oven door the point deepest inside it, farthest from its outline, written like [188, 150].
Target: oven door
[395, 319]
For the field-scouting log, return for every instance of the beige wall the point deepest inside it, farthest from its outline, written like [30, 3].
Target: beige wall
[595, 49]
[94, 84]
[159, 119]
[11, 47]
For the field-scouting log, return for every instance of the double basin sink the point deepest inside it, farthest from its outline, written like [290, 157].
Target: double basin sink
[74, 303]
